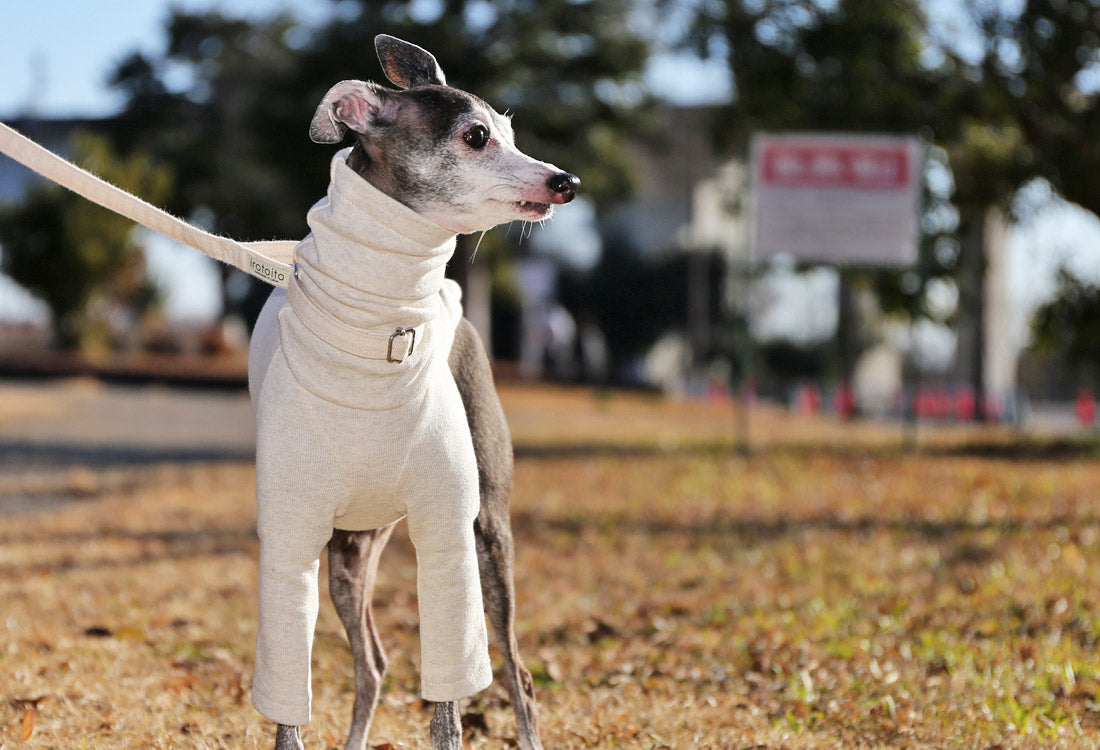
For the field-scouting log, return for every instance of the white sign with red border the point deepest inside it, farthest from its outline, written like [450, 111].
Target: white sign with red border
[842, 199]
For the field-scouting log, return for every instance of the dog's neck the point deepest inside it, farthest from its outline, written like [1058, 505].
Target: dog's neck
[360, 162]
[374, 265]
[371, 260]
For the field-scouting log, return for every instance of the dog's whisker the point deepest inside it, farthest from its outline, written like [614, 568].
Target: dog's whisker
[478, 245]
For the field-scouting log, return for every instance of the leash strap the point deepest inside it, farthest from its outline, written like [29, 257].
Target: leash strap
[268, 261]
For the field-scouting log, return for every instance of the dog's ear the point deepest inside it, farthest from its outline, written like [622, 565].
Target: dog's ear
[407, 65]
[348, 104]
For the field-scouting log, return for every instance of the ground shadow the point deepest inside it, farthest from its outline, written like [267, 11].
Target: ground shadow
[13, 453]
[1015, 449]
[770, 529]
[169, 545]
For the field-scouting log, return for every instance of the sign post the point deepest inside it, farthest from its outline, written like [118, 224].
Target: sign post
[838, 199]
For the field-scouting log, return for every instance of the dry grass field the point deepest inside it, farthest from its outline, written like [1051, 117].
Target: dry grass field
[830, 590]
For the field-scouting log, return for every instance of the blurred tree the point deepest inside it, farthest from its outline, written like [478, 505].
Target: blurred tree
[226, 132]
[1007, 106]
[569, 71]
[1068, 327]
[1005, 101]
[797, 64]
[1027, 110]
[80, 259]
[1037, 68]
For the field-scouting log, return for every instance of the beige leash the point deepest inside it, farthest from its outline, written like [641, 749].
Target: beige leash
[269, 261]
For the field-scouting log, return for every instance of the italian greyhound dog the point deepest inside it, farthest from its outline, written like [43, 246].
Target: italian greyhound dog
[375, 401]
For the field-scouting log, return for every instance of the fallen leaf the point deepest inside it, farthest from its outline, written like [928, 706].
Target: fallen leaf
[236, 689]
[475, 723]
[28, 721]
[597, 630]
[181, 682]
[130, 633]
[554, 671]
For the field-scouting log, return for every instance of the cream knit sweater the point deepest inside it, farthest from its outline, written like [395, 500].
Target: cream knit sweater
[345, 441]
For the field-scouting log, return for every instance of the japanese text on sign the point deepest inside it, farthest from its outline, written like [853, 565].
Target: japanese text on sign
[837, 199]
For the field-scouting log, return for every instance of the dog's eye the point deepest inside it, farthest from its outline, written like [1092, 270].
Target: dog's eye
[476, 137]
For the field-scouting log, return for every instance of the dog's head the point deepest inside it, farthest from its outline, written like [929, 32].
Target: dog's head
[441, 151]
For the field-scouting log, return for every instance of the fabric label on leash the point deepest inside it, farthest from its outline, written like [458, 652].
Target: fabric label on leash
[268, 272]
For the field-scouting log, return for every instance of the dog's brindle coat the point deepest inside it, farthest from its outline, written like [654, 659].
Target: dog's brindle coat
[382, 156]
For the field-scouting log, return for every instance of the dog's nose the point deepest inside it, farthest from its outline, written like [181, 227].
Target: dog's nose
[564, 185]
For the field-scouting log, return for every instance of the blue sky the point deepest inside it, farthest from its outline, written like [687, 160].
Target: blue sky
[57, 54]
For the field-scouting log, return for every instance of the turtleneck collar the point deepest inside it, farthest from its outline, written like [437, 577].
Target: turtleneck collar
[370, 260]
[350, 198]
[374, 265]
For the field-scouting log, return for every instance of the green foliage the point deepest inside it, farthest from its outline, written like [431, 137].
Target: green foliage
[1069, 325]
[1014, 109]
[796, 64]
[1034, 70]
[227, 136]
[78, 258]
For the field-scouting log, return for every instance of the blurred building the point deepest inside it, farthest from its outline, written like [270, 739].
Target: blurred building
[675, 206]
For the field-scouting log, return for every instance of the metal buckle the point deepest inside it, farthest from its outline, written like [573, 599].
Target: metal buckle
[412, 343]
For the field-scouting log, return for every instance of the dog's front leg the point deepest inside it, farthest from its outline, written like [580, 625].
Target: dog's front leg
[353, 566]
[446, 727]
[288, 738]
